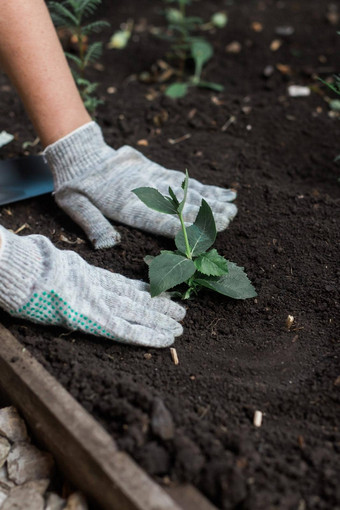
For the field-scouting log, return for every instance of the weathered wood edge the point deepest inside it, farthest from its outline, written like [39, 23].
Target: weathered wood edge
[189, 498]
[83, 450]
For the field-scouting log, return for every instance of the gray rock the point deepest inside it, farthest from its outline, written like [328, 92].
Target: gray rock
[4, 450]
[39, 485]
[161, 421]
[5, 483]
[298, 91]
[268, 71]
[54, 502]
[11, 425]
[25, 462]
[3, 496]
[76, 502]
[285, 30]
[23, 498]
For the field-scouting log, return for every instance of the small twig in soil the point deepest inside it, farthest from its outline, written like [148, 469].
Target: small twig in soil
[25, 225]
[173, 141]
[257, 418]
[204, 412]
[174, 356]
[228, 123]
[289, 321]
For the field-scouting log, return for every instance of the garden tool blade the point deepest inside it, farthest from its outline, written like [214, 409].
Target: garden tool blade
[22, 178]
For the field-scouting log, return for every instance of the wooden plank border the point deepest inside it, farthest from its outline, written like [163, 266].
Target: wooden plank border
[84, 451]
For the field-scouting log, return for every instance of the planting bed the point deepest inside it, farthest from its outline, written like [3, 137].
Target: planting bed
[235, 357]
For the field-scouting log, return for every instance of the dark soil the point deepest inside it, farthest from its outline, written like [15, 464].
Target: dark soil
[235, 357]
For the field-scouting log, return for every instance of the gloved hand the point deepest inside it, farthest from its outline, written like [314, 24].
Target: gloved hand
[92, 181]
[40, 283]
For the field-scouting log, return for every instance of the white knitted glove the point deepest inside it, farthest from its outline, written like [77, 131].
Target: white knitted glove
[40, 283]
[92, 180]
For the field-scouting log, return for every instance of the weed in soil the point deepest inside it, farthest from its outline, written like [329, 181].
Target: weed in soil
[186, 44]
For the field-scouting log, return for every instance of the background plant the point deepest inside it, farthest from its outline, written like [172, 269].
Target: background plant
[71, 15]
[334, 87]
[186, 44]
[192, 263]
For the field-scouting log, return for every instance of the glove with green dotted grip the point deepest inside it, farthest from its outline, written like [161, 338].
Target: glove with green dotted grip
[45, 285]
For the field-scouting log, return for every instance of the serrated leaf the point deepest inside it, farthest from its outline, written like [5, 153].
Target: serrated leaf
[202, 234]
[235, 284]
[185, 188]
[173, 196]
[155, 200]
[177, 90]
[211, 264]
[168, 270]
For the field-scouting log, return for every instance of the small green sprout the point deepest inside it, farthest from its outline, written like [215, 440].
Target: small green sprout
[70, 15]
[335, 104]
[192, 263]
[186, 44]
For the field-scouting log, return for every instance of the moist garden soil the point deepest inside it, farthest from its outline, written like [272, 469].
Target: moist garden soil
[234, 357]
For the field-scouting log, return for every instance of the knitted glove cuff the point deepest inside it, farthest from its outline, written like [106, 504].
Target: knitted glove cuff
[21, 266]
[76, 152]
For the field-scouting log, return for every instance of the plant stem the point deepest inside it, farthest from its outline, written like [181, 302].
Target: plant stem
[184, 230]
[182, 8]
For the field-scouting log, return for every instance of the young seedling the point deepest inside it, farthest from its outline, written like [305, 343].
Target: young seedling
[186, 45]
[192, 263]
[335, 104]
[70, 15]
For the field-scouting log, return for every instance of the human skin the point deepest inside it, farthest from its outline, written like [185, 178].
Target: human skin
[32, 57]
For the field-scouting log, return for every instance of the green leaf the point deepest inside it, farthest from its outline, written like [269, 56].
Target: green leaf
[61, 15]
[185, 188]
[95, 26]
[211, 264]
[93, 53]
[201, 52]
[177, 90]
[210, 85]
[148, 259]
[155, 200]
[119, 40]
[335, 105]
[74, 58]
[168, 270]
[87, 7]
[173, 196]
[334, 87]
[235, 284]
[202, 234]
[219, 19]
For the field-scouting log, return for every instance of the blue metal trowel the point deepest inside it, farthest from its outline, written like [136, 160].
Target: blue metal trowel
[22, 178]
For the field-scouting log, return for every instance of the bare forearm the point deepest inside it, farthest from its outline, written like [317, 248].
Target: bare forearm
[31, 55]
